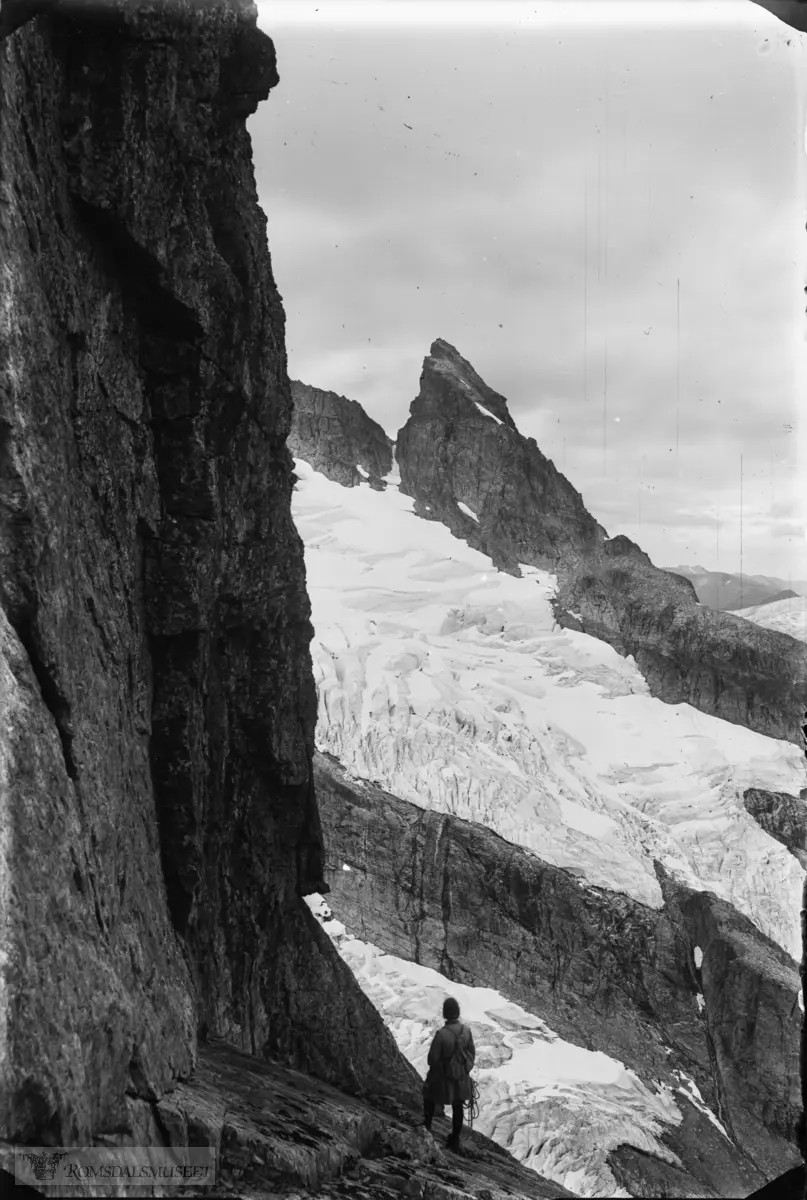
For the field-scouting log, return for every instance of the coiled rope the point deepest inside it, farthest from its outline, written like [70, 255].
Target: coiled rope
[472, 1103]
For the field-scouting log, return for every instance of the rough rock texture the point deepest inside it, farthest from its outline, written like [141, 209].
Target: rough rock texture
[157, 704]
[278, 1129]
[783, 816]
[715, 661]
[336, 437]
[602, 970]
[450, 452]
[277, 1132]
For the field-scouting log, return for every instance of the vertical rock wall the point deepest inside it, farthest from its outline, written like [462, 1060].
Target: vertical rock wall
[158, 823]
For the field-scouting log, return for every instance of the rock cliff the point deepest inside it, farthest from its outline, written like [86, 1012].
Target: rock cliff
[463, 460]
[693, 986]
[783, 816]
[156, 696]
[460, 446]
[337, 438]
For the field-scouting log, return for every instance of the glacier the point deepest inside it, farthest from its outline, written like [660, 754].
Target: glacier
[450, 684]
[784, 616]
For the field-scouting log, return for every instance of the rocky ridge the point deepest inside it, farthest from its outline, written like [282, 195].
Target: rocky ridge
[337, 438]
[693, 987]
[725, 591]
[463, 460]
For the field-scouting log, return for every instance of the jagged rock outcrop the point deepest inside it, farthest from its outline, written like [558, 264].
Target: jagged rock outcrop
[460, 451]
[461, 446]
[783, 816]
[157, 703]
[337, 438]
[602, 970]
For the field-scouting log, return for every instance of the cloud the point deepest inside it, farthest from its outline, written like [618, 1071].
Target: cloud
[539, 214]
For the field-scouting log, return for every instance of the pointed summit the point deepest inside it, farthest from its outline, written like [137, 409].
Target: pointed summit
[449, 380]
[464, 461]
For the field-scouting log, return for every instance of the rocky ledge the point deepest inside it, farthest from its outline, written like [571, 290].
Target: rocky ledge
[465, 463]
[692, 987]
[277, 1132]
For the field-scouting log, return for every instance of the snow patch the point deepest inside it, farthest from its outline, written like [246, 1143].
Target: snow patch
[698, 956]
[487, 413]
[690, 1089]
[701, 999]
[345, 867]
[558, 1108]
[362, 472]
[468, 511]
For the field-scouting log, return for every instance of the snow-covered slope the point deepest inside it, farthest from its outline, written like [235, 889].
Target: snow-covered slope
[451, 685]
[557, 1107]
[785, 616]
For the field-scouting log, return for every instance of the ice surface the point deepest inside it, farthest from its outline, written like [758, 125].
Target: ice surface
[450, 684]
[468, 511]
[558, 1108]
[785, 616]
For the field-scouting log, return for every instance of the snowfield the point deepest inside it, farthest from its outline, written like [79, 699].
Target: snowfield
[785, 616]
[556, 1107]
[450, 684]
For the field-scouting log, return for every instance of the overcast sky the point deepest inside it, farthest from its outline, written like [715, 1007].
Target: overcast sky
[601, 206]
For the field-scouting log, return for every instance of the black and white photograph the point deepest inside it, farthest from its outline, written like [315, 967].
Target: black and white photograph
[403, 599]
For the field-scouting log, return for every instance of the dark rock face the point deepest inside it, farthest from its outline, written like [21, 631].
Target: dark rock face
[784, 817]
[156, 690]
[715, 661]
[451, 453]
[336, 437]
[603, 970]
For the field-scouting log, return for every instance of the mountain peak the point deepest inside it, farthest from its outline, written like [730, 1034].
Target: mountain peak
[464, 461]
[455, 385]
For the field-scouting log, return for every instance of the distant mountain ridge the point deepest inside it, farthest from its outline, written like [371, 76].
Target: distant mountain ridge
[730, 592]
[338, 436]
[465, 464]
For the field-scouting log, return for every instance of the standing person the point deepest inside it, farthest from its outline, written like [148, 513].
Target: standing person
[451, 1060]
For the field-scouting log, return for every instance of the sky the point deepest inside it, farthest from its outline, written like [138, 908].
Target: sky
[601, 205]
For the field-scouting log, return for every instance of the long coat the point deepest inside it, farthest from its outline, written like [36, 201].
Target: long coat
[437, 1088]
